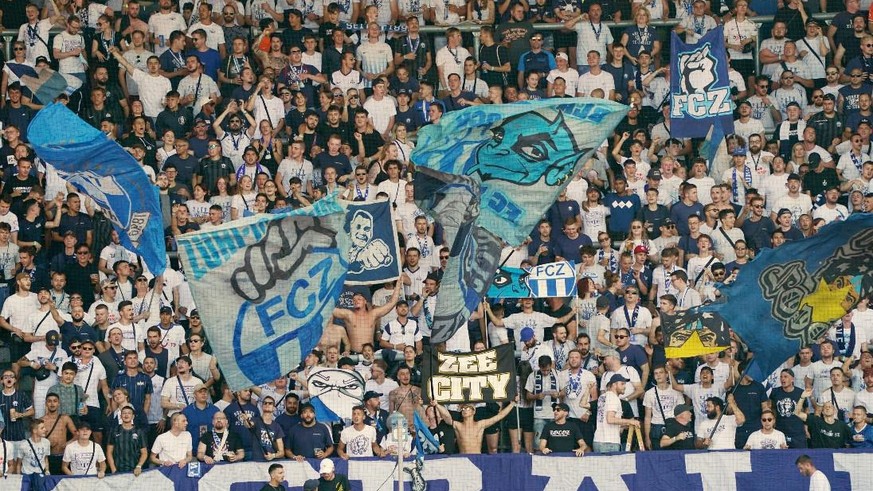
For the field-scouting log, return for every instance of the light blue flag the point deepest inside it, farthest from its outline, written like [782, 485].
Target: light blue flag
[266, 285]
[522, 154]
[425, 442]
[99, 168]
[373, 255]
[789, 297]
[453, 201]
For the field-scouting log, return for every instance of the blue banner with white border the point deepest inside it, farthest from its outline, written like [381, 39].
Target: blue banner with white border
[660, 470]
[373, 253]
[700, 92]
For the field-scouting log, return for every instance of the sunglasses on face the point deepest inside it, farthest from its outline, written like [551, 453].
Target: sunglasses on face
[621, 336]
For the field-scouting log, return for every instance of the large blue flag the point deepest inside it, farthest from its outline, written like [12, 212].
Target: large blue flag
[266, 285]
[99, 168]
[425, 442]
[522, 154]
[453, 201]
[700, 93]
[789, 296]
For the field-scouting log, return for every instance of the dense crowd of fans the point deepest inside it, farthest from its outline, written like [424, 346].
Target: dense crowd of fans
[235, 109]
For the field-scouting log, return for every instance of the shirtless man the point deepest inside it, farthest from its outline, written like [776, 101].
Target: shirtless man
[361, 321]
[60, 426]
[334, 336]
[469, 431]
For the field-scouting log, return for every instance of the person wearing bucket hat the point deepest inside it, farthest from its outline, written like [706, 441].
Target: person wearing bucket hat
[607, 437]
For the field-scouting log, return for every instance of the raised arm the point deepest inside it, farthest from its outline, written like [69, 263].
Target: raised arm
[799, 409]
[384, 309]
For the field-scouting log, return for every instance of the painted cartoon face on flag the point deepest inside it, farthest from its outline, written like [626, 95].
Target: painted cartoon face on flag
[521, 154]
[780, 302]
[338, 390]
[693, 333]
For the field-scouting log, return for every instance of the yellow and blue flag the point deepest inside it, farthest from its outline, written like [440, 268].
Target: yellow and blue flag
[789, 296]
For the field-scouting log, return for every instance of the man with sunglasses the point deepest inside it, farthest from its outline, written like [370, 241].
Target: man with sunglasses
[92, 378]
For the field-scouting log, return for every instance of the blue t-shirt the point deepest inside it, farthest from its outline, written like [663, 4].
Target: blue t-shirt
[861, 439]
[569, 248]
[680, 212]
[304, 440]
[233, 412]
[199, 421]
[622, 210]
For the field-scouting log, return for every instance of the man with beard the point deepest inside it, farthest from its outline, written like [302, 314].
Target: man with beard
[126, 449]
[406, 398]
[267, 431]
[374, 415]
[309, 439]
[723, 436]
[220, 444]
[239, 413]
[560, 435]
[155, 350]
[783, 401]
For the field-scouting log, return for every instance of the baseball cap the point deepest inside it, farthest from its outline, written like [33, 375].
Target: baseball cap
[527, 334]
[371, 394]
[306, 406]
[562, 406]
[654, 174]
[739, 151]
[668, 222]
[610, 352]
[811, 22]
[403, 91]
[794, 104]
[681, 408]
[310, 485]
[562, 56]
[783, 211]
[326, 467]
[52, 337]
[616, 377]
[345, 361]
[41, 59]
[166, 310]
[200, 387]
[641, 248]
[199, 121]
[813, 159]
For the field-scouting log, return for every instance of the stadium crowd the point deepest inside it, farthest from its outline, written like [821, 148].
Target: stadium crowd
[239, 108]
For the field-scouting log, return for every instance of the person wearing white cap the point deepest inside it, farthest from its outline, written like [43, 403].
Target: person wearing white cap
[563, 70]
[329, 479]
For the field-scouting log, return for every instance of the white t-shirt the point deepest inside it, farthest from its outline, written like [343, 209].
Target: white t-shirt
[179, 393]
[669, 398]
[760, 441]
[538, 321]
[359, 443]
[83, 460]
[698, 395]
[131, 335]
[606, 432]
[66, 42]
[384, 388]
[821, 376]
[571, 77]
[289, 169]
[576, 389]
[88, 377]
[152, 91]
[381, 112]
[169, 447]
[724, 437]
[17, 309]
[172, 340]
[819, 482]
[588, 82]
[270, 109]
[162, 25]
[622, 318]
[33, 455]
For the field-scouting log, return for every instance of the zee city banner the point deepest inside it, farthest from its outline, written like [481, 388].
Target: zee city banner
[664, 470]
[484, 376]
[700, 92]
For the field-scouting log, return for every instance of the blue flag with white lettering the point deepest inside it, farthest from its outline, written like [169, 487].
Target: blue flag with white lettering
[373, 254]
[790, 296]
[521, 155]
[700, 92]
[99, 168]
[266, 285]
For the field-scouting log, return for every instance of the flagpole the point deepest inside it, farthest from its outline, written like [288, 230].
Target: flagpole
[733, 389]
